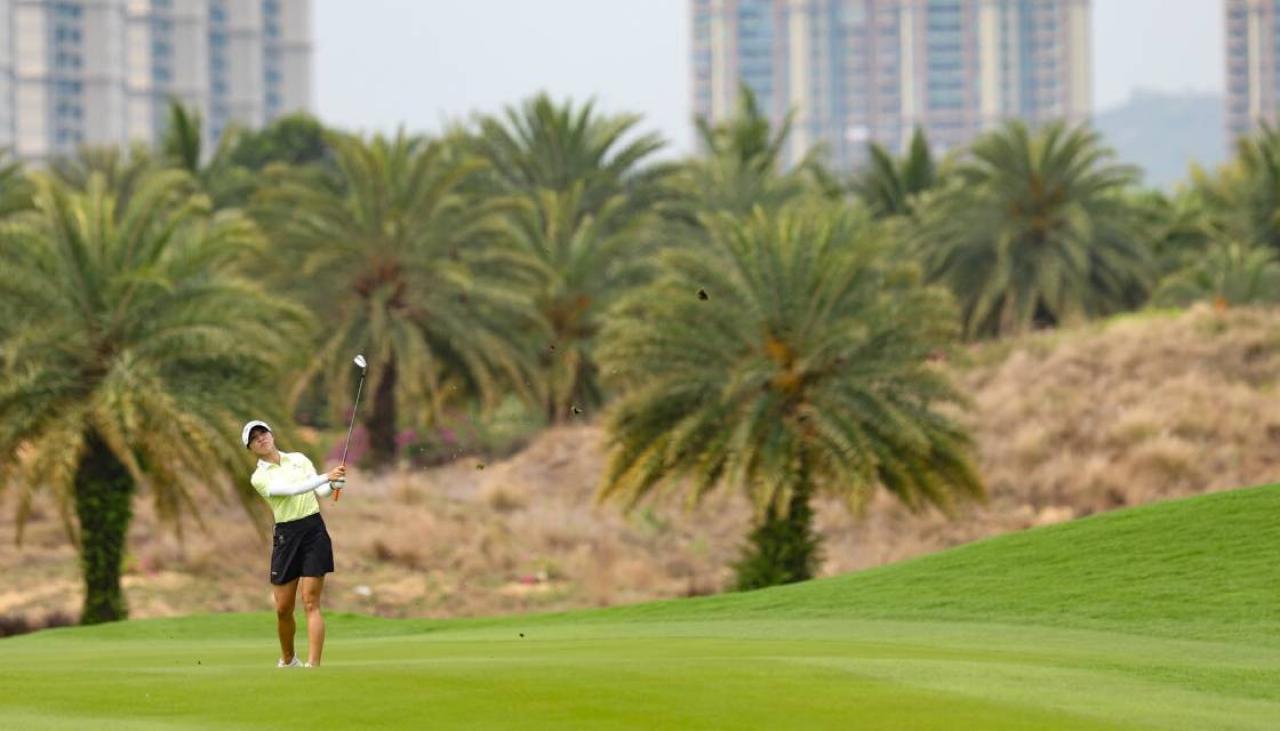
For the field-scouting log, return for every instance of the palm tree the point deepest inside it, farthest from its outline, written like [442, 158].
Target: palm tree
[583, 262]
[1182, 228]
[1228, 274]
[404, 267]
[789, 357]
[182, 146]
[130, 353]
[742, 164]
[544, 146]
[1036, 230]
[1243, 197]
[583, 189]
[889, 187]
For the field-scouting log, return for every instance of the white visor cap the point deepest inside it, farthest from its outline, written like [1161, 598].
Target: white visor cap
[244, 433]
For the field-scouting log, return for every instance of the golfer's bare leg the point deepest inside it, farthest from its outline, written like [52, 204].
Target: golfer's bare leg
[311, 588]
[285, 595]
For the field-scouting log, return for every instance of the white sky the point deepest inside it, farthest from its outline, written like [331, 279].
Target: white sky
[380, 64]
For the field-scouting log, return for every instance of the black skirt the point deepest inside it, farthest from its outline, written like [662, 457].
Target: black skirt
[300, 548]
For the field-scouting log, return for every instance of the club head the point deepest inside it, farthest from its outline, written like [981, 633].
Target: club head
[360, 361]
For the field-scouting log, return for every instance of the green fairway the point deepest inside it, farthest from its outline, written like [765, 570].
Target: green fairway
[1162, 617]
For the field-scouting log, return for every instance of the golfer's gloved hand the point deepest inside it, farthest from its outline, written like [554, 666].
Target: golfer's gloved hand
[337, 480]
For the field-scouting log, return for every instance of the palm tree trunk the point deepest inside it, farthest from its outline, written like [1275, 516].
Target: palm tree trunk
[382, 422]
[552, 411]
[563, 406]
[549, 363]
[783, 547]
[104, 506]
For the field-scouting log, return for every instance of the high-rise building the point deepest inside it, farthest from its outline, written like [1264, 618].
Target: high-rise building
[102, 72]
[854, 71]
[1253, 51]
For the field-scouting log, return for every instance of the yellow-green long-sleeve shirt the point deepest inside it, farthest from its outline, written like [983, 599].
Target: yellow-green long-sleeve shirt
[294, 468]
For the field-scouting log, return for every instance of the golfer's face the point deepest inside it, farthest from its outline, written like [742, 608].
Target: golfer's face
[262, 443]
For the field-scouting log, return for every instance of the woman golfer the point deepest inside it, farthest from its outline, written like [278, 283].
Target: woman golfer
[300, 547]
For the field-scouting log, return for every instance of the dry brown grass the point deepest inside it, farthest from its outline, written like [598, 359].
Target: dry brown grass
[1067, 424]
[1123, 413]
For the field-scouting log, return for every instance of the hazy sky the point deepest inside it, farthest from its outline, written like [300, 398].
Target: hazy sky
[383, 63]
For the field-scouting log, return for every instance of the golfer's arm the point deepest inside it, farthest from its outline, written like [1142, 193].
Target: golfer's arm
[319, 481]
[327, 488]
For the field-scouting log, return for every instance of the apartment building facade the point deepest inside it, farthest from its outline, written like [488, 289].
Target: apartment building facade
[102, 72]
[1253, 79]
[855, 71]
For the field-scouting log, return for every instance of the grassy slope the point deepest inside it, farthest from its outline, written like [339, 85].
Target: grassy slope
[1159, 617]
[1204, 568]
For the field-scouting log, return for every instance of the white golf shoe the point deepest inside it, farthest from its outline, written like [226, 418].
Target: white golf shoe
[296, 663]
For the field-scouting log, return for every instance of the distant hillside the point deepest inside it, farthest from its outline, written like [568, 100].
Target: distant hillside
[1164, 133]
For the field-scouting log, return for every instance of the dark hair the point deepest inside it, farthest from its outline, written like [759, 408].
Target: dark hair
[254, 433]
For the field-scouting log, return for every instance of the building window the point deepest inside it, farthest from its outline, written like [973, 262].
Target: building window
[67, 61]
[67, 109]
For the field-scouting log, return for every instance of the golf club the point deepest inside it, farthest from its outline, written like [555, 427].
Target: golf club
[364, 367]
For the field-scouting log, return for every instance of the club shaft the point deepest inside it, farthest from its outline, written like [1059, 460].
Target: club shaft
[347, 446]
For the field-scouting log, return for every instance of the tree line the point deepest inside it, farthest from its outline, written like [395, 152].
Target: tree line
[739, 323]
